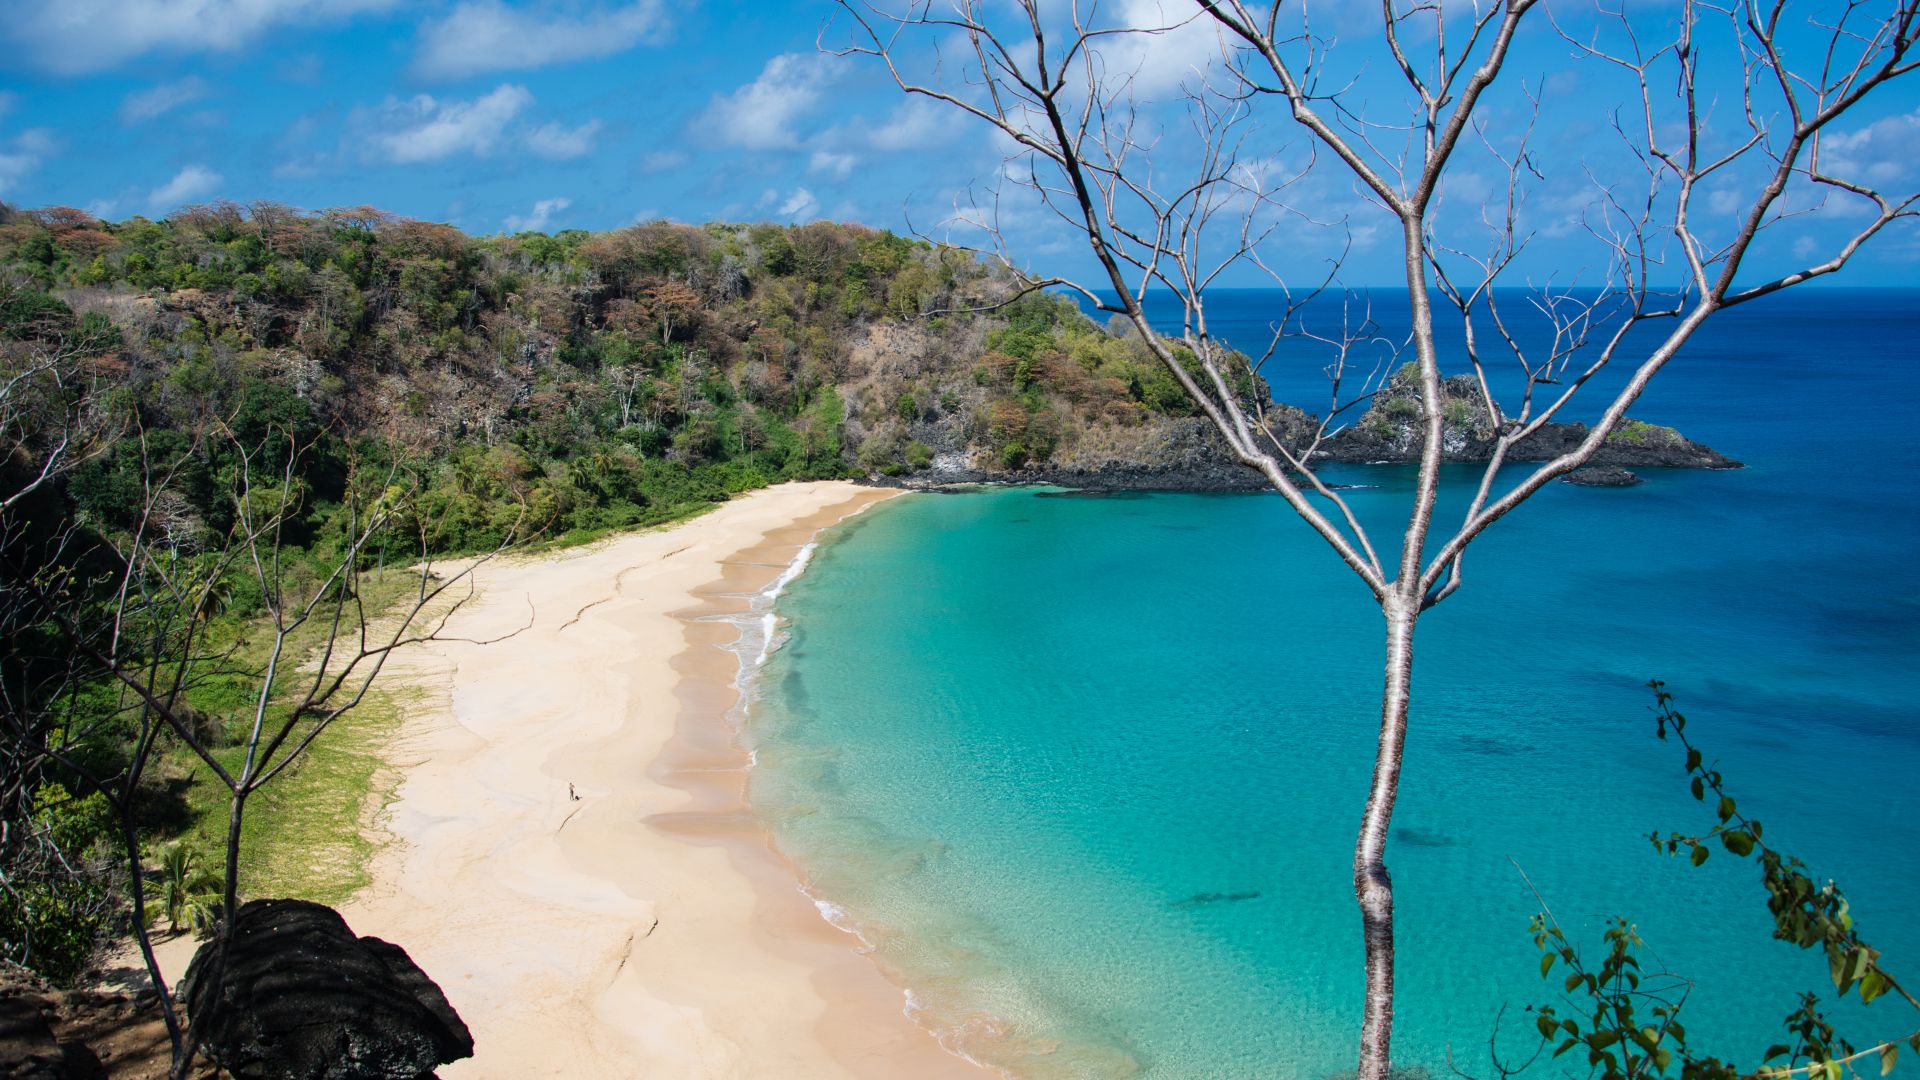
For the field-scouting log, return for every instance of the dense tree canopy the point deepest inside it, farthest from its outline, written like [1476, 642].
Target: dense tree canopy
[597, 380]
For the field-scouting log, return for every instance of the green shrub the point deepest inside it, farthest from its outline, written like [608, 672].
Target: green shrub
[1641, 433]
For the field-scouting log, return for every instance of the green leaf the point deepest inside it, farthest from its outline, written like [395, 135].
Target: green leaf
[1699, 854]
[1546, 963]
[1738, 842]
[1699, 789]
[1857, 967]
[1726, 807]
[1693, 759]
[1888, 1055]
[1572, 981]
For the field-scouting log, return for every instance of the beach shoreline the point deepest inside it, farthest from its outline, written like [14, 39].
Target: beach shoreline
[574, 860]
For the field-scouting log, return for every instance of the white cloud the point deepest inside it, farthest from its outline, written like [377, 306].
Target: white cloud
[762, 115]
[915, 124]
[1180, 45]
[143, 105]
[487, 35]
[1880, 153]
[838, 166]
[800, 206]
[77, 36]
[21, 156]
[423, 129]
[664, 160]
[191, 184]
[540, 217]
[562, 143]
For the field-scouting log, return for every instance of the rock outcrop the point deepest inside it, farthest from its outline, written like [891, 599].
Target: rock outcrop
[1391, 431]
[303, 998]
[1187, 454]
[28, 1049]
[1602, 476]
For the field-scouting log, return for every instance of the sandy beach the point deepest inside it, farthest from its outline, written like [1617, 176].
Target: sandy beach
[646, 927]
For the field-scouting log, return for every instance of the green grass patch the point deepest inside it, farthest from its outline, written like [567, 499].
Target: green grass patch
[311, 831]
[1641, 433]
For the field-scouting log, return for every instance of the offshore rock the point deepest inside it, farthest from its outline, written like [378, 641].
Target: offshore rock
[1187, 454]
[1391, 430]
[305, 999]
[1602, 476]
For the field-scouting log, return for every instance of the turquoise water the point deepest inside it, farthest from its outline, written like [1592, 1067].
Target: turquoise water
[1085, 771]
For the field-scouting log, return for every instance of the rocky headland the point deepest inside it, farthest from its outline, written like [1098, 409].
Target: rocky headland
[1186, 454]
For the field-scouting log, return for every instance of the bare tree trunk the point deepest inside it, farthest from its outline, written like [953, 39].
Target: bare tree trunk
[136, 884]
[230, 890]
[1372, 886]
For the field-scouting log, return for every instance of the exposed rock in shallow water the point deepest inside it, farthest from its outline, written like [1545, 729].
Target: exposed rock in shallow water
[1602, 476]
[1392, 428]
[1199, 899]
[304, 999]
[1187, 454]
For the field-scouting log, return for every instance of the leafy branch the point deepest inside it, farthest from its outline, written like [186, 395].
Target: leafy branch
[1627, 1021]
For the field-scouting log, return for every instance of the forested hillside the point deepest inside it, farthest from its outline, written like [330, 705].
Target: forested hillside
[577, 381]
[218, 425]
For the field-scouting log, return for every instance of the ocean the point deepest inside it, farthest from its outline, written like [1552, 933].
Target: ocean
[1084, 772]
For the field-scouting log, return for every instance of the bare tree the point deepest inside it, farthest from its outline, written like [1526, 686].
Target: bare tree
[132, 611]
[1278, 130]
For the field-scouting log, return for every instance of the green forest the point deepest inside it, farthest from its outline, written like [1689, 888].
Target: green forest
[579, 381]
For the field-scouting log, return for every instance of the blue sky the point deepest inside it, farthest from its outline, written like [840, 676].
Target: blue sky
[475, 113]
[550, 114]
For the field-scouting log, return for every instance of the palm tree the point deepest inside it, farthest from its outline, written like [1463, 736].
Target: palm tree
[190, 892]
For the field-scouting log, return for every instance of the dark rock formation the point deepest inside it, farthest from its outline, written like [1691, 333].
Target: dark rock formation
[1187, 454]
[1602, 476]
[302, 998]
[1391, 430]
[1204, 898]
[1181, 454]
[28, 1049]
